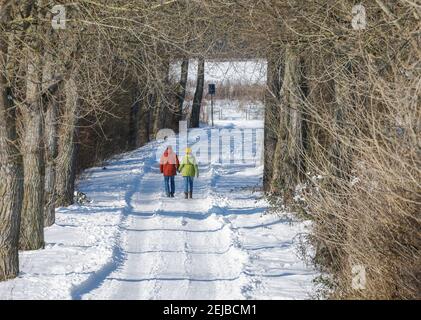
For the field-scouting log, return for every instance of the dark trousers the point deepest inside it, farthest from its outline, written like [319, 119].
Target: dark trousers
[188, 184]
[169, 184]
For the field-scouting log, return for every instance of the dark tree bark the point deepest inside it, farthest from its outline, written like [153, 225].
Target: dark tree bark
[150, 102]
[321, 93]
[51, 148]
[144, 126]
[288, 156]
[340, 154]
[274, 83]
[31, 235]
[176, 101]
[32, 223]
[10, 169]
[163, 114]
[51, 88]
[305, 119]
[181, 93]
[134, 125]
[67, 148]
[157, 112]
[198, 95]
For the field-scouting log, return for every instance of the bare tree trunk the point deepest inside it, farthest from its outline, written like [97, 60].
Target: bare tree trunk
[157, 112]
[145, 116]
[134, 125]
[10, 170]
[288, 160]
[144, 126]
[198, 95]
[175, 108]
[50, 87]
[66, 159]
[181, 94]
[163, 114]
[50, 158]
[151, 105]
[340, 154]
[274, 83]
[320, 94]
[32, 223]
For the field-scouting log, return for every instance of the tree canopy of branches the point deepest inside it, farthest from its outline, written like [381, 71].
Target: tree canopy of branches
[341, 122]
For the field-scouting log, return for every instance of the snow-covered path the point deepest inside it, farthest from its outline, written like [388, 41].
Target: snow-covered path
[133, 243]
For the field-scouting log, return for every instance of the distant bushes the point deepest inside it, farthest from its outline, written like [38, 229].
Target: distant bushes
[232, 91]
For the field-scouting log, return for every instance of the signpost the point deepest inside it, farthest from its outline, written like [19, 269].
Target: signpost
[212, 91]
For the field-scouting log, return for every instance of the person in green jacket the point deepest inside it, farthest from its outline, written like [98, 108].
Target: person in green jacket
[188, 169]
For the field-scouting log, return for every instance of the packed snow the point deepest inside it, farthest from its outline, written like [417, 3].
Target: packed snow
[131, 242]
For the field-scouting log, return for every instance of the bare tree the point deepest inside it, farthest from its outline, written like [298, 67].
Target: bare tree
[32, 223]
[287, 157]
[67, 150]
[272, 101]
[10, 163]
[181, 93]
[51, 147]
[198, 95]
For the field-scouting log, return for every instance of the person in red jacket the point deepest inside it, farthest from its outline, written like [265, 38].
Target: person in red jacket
[168, 165]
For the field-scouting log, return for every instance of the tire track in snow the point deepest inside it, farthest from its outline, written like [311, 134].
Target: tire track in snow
[118, 255]
[191, 249]
[219, 245]
[149, 269]
[180, 263]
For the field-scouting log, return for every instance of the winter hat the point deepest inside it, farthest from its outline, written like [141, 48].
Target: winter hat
[188, 150]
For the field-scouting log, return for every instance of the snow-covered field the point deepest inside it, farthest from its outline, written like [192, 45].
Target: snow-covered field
[132, 243]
